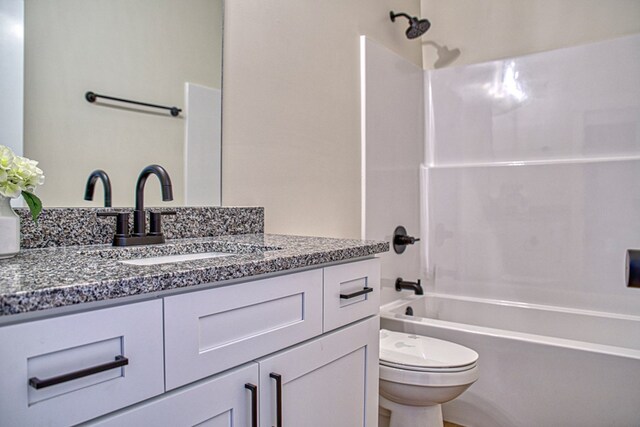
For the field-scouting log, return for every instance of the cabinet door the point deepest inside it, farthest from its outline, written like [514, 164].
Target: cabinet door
[328, 381]
[221, 401]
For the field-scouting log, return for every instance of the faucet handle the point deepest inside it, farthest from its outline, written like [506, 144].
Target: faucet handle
[401, 239]
[122, 222]
[155, 222]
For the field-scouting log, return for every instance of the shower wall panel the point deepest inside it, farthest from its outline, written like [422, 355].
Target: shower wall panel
[534, 191]
[567, 104]
[392, 147]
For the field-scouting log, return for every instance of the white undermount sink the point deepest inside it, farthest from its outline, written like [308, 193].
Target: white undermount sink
[166, 259]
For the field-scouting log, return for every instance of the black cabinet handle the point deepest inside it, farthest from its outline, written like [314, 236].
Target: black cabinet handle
[254, 403]
[365, 290]
[37, 383]
[278, 379]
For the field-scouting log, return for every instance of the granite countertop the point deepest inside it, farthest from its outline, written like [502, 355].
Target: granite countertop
[46, 278]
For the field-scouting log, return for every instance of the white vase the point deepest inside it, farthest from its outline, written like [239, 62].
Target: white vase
[9, 229]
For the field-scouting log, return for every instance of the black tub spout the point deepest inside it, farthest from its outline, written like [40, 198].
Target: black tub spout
[414, 286]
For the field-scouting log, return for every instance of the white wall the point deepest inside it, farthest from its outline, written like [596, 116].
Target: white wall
[142, 50]
[492, 29]
[291, 120]
[393, 114]
[535, 179]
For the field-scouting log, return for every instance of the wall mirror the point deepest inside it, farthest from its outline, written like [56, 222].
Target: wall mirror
[163, 52]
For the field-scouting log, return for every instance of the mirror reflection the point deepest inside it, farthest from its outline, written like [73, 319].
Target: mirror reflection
[156, 51]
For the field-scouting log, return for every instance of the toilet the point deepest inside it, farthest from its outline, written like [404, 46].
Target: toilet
[418, 374]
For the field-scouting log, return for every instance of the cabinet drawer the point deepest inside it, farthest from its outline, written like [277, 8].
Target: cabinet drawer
[209, 331]
[35, 352]
[341, 283]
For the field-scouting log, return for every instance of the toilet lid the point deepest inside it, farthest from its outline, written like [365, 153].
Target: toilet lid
[418, 352]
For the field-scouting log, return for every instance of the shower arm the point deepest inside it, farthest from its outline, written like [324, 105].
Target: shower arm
[393, 16]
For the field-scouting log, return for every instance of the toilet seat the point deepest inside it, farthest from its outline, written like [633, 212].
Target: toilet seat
[423, 369]
[424, 354]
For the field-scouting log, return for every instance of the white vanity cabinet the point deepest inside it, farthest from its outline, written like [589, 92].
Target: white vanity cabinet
[307, 341]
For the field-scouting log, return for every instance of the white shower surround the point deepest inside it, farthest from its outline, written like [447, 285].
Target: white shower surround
[533, 177]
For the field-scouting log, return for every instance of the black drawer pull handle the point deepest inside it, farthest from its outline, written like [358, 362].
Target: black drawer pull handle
[254, 403]
[37, 383]
[366, 290]
[278, 379]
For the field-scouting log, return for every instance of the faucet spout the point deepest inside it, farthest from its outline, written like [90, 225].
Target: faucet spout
[414, 286]
[91, 184]
[139, 219]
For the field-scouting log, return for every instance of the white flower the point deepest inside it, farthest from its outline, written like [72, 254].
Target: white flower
[6, 158]
[18, 174]
[26, 174]
[9, 189]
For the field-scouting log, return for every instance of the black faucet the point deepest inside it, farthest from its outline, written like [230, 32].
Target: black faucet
[139, 216]
[91, 184]
[414, 286]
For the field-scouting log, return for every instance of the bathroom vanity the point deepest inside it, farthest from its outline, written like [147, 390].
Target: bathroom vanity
[280, 330]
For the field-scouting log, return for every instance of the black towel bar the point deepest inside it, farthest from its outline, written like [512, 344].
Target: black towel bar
[91, 97]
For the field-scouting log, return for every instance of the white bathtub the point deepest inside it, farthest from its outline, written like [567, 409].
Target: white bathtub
[539, 365]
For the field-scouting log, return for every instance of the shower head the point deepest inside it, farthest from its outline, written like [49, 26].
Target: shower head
[417, 27]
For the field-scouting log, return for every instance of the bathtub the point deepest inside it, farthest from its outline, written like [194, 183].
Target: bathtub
[539, 365]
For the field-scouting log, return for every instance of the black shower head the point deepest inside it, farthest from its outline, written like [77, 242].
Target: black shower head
[417, 27]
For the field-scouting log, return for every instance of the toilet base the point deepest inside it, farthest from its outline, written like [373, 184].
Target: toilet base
[414, 416]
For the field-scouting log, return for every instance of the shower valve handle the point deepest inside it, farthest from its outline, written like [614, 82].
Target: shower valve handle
[404, 240]
[401, 239]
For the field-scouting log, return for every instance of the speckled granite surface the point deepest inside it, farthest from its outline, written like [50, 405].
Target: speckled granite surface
[81, 226]
[40, 279]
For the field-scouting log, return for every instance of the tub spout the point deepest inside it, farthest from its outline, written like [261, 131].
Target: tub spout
[414, 286]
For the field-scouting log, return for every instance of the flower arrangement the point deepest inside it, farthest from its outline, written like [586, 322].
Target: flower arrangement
[20, 176]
